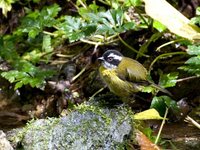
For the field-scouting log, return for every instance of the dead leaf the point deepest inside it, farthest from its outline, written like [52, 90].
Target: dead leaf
[144, 142]
[148, 114]
[162, 11]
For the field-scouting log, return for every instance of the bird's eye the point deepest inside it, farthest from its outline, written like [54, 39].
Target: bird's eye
[110, 58]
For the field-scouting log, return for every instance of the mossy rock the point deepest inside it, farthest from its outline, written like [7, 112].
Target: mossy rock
[89, 127]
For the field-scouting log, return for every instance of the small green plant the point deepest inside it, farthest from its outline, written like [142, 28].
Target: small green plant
[94, 24]
[192, 65]
[27, 46]
[42, 30]
[196, 19]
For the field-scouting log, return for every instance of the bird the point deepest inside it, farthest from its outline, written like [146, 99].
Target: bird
[124, 76]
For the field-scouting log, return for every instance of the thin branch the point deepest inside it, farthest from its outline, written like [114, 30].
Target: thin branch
[161, 126]
[131, 48]
[99, 91]
[168, 43]
[80, 1]
[192, 121]
[187, 78]
[164, 55]
[79, 74]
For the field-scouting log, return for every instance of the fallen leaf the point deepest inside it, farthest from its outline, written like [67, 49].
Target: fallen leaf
[148, 114]
[162, 11]
[144, 142]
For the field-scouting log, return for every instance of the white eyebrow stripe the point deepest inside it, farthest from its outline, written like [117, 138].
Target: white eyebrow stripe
[115, 56]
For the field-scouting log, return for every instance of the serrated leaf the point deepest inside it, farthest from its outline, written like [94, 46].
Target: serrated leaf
[70, 24]
[34, 32]
[51, 11]
[35, 77]
[33, 56]
[168, 80]
[10, 75]
[84, 32]
[193, 50]
[148, 89]
[194, 69]
[106, 18]
[93, 7]
[18, 85]
[148, 114]
[193, 63]
[193, 60]
[35, 21]
[195, 20]
[103, 22]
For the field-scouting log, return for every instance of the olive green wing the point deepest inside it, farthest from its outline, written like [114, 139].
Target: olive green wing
[132, 70]
[136, 73]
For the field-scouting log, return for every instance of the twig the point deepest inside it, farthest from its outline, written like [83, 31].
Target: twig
[94, 43]
[187, 78]
[79, 74]
[131, 48]
[49, 33]
[82, 3]
[99, 91]
[64, 56]
[161, 126]
[192, 121]
[165, 55]
[168, 43]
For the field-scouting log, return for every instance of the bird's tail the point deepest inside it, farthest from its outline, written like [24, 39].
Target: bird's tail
[161, 89]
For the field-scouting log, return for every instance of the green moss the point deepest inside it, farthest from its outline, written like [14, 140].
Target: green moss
[95, 109]
[89, 126]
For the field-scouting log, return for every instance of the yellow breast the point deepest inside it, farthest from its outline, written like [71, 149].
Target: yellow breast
[115, 84]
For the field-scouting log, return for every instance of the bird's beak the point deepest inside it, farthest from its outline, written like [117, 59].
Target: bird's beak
[100, 59]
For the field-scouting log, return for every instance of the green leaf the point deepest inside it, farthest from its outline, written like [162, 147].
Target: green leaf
[46, 47]
[193, 50]
[193, 60]
[84, 32]
[160, 103]
[35, 21]
[18, 85]
[148, 89]
[168, 80]
[149, 133]
[129, 25]
[133, 2]
[93, 8]
[193, 63]
[117, 16]
[196, 20]
[29, 74]
[194, 69]
[34, 32]
[33, 56]
[93, 22]
[159, 26]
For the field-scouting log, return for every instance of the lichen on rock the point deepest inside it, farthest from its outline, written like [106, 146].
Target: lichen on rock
[86, 128]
